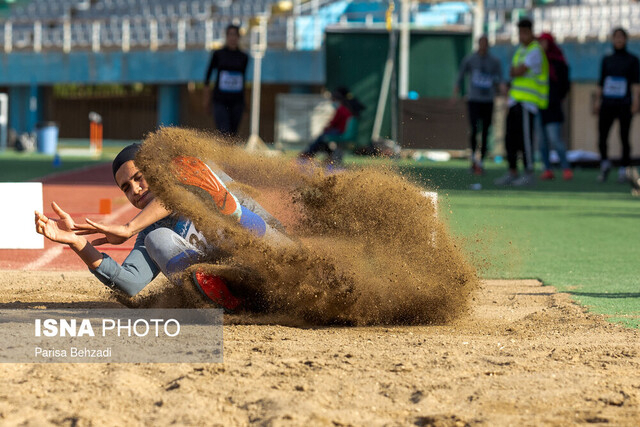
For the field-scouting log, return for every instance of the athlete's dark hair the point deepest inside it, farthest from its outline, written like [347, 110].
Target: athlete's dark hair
[525, 23]
[232, 27]
[620, 30]
[347, 99]
[128, 153]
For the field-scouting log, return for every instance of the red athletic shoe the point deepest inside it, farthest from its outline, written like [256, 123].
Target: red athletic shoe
[477, 169]
[194, 172]
[547, 175]
[215, 289]
[567, 174]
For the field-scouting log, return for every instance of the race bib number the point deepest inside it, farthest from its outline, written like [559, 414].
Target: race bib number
[230, 81]
[481, 80]
[614, 87]
[188, 231]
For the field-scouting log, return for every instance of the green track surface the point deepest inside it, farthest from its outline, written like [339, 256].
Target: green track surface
[18, 167]
[580, 236]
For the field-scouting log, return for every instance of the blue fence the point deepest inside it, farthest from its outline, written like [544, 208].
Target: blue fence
[172, 67]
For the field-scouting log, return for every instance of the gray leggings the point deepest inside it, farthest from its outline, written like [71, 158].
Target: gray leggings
[170, 251]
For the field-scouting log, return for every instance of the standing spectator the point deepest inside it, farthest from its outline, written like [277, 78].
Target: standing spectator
[485, 77]
[228, 94]
[528, 93]
[616, 98]
[552, 117]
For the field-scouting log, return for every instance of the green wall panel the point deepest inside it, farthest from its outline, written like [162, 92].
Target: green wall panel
[356, 59]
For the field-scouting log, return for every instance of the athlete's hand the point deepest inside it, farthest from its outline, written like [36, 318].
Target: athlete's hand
[57, 230]
[113, 233]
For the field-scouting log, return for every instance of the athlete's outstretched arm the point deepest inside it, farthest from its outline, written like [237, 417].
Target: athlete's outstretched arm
[61, 231]
[117, 234]
[130, 277]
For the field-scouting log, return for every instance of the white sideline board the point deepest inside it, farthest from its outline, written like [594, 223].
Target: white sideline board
[17, 226]
[433, 196]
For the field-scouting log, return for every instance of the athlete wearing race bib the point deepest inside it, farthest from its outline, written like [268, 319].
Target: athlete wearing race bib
[230, 81]
[227, 98]
[617, 99]
[165, 241]
[485, 78]
[615, 87]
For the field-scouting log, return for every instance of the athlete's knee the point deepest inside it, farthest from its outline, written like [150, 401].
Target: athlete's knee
[158, 240]
[158, 237]
[170, 251]
[252, 222]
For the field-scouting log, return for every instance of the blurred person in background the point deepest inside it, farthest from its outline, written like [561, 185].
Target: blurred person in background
[485, 76]
[551, 119]
[227, 97]
[528, 93]
[617, 98]
[347, 108]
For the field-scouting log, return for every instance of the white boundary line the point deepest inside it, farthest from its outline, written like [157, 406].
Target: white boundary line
[50, 254]
[433, 196]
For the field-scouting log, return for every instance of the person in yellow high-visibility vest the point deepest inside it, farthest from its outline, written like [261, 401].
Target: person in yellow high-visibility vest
[528, 93]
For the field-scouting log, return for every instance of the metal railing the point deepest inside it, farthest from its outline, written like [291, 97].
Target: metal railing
[580, 22]
[100, 34]
[149, 33]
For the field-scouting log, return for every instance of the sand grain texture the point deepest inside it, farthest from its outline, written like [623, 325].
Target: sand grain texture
[524, 355]
[370, 249]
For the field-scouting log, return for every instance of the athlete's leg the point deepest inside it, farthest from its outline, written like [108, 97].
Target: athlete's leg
[487, 117]
[222, 116]
[320, 144]
[236, 111]
[197, 175]
[528, 121]
[554, 135]
[542, 136]
[605, 121]
[514, 136]
[317, 146]
[171, 252]
[625, 127]
[474, 118]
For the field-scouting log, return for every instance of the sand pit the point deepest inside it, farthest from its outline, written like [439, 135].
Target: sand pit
[365, 246]
[524, 355]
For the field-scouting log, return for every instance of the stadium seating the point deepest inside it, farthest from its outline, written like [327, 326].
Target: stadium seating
[203, 21]
[184, 24]
[573, 19]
